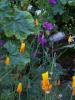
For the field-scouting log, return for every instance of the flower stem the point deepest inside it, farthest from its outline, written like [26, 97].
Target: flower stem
[19, 96]
[71, 97]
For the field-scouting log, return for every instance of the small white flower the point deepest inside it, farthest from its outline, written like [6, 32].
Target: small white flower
[51, 73]
[60, 96]
[37, 12]
[47, 92]
[29, 7]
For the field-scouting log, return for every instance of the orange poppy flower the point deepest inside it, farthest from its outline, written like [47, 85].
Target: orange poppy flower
[19, 88]
[46, 85]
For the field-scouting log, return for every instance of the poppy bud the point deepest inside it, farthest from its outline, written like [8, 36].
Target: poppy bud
[7, 60]
[58, 82]
[22, 48]
[36, 22]
[19, 88]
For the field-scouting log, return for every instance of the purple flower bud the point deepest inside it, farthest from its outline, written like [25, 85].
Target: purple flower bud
[45, 25]
[52, 2]
[42, 40]
[48, 26]
[2, 42]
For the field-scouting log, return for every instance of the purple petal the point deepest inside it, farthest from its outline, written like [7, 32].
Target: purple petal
[45, 25]
[42, 40]
[50, 26]
[52, 2]
[2, 42]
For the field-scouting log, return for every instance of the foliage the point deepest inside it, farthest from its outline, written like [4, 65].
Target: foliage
[18, 24]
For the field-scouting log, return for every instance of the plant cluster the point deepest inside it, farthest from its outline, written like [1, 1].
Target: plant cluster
[34, 34]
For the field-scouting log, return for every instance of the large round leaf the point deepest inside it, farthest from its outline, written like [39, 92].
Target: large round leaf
[20, 25]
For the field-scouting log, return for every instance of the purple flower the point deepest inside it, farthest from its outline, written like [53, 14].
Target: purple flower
[48, 26]
[42, 40]
[2, 42]
[52, 2]
[45, 25]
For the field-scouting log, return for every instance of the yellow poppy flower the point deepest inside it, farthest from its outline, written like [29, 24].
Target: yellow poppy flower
[7, 60]
[22, 47]
[19, 88]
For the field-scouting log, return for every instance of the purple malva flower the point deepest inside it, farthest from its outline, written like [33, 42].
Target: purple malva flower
[48, 26]
[42, 40]
[2, 42]
[52, 2]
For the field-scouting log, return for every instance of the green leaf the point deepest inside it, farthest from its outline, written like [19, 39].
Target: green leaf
[15, 57]
[64, 1]
[58, 9]
[69, 46]
[20, 24]
[4, 9]
[71, 2]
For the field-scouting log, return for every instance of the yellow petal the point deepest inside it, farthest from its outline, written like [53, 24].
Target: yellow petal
[73, 77]
[45, 76]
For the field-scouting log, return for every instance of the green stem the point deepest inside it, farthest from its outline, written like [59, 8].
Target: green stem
[71, 97]
[45, 96]
[19, 96]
